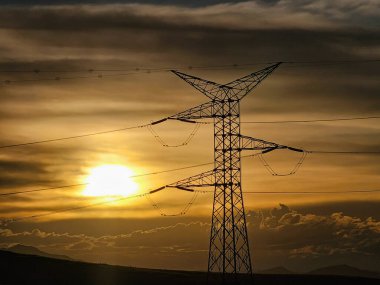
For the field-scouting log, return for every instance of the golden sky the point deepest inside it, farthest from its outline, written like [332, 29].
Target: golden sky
[80, 37]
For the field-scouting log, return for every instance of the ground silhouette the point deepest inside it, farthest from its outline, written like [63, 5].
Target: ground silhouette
[30, 269]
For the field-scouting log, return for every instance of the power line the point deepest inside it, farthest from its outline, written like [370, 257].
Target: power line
[133, 71]
[148, 125]
[107, 132]
[76, 208]
[302, 64]
[133, 176]
[58, 78]
[146, 194]
[171, 170]
[84, 184]
[336, 61]
[182, 212]
[42, 189]
[73, 137]
[300, 192]
[312, 192]
[184, 143]
[311, 121]
[342, 152]
[161, 69]
[161, 188]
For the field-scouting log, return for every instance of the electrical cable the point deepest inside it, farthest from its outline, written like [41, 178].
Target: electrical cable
[311, 121]
[312, 192]
[299, 192]
[183, 168]
[4, 222]
[83, 184]
[200, 67]
[342, 152]
[133, 71]
[181, 213]
[162, 142]
[7, 221]
[58, 78]
[73, 137]
[184, 143]
[275, 173]
[132, 176]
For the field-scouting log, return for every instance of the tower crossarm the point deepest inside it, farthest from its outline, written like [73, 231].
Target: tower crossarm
[210, 89]
[239, 88]
[204, 179]
[249, 143]
[202, 111]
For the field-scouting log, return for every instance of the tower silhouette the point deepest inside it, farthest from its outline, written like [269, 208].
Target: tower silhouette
[229, 247]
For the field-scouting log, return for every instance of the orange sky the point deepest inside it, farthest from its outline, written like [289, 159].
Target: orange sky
[69, 108]
[78, 38]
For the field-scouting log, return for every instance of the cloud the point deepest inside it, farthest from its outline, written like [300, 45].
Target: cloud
[242, 15]
[310, 236]
[82, 245]
[184, 234]
[302, 241]
[88, 31]
[176, 246]
[23, 173]
[157, 2]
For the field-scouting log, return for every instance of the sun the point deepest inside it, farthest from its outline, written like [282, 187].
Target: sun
[110, 180]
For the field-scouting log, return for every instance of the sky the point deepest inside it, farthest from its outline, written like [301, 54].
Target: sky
[301, 232]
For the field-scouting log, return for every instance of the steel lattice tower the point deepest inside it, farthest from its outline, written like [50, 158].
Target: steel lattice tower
[229, 248]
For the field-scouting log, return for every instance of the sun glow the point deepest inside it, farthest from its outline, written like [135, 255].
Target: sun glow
[110, 180]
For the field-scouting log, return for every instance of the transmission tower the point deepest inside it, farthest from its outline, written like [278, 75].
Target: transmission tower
[229, 248]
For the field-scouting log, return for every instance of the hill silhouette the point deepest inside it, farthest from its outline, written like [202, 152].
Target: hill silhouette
[26, 249]
[277, 270]
[336, 270]
[345, 270]
[30, 269]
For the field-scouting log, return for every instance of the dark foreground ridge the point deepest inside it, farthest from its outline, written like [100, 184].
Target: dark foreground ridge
[30, 269]
[25, 249]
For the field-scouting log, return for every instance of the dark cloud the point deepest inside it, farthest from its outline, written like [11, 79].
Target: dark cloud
[310, 13]
[11, 166]
[22, 169]
[112, 33]
[193, 3]
[140, 29]
[23, 173]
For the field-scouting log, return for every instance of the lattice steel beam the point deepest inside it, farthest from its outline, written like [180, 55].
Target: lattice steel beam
[229, 249]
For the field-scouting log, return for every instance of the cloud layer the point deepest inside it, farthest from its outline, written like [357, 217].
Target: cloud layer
[281, 236]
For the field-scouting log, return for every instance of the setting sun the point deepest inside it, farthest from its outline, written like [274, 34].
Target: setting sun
[110, 180]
